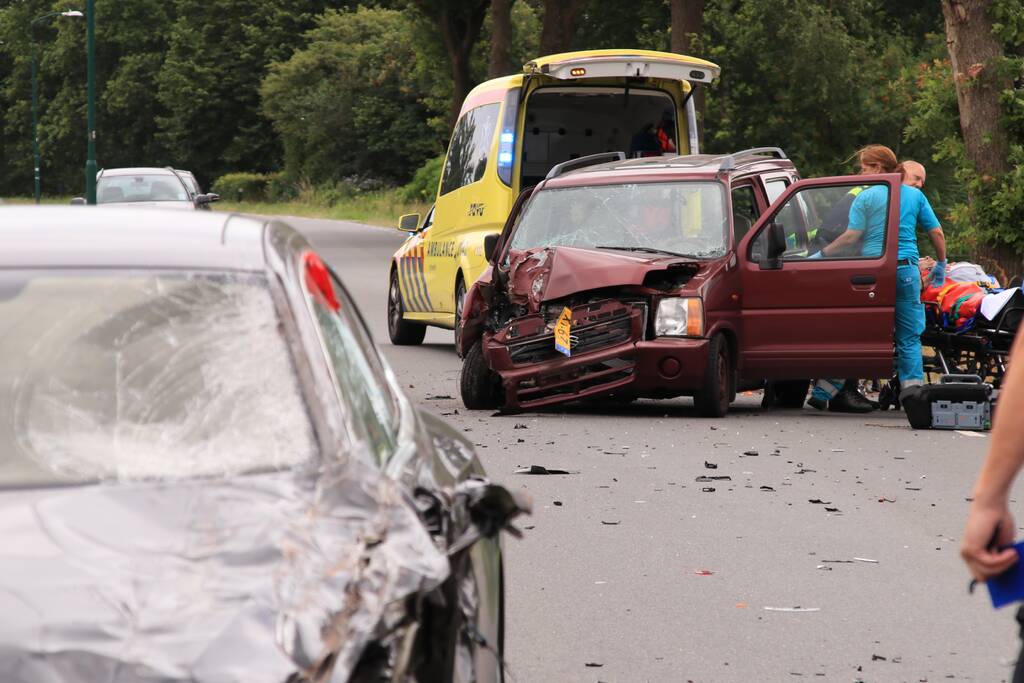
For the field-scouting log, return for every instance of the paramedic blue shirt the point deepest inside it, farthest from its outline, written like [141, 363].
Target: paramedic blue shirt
[868, 214]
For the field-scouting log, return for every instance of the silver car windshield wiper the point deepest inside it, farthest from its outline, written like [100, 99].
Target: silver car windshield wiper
[648, 250]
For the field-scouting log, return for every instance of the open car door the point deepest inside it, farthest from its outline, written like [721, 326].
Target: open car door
[805, 317]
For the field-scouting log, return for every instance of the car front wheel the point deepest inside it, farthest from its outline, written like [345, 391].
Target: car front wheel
[480, 386]
[714, 398]
[401, 332]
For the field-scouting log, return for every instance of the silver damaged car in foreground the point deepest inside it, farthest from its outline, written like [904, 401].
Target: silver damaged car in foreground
[207, 472]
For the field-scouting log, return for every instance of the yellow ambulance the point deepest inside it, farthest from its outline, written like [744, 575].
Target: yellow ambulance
[510, 133]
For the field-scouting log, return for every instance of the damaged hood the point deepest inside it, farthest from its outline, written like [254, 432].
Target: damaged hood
[545, 274]
[249, 578]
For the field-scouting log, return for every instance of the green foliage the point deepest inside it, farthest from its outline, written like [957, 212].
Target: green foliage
[247, 187]
[347, 104]
[985, 214]
[814, 78]
[423, 186]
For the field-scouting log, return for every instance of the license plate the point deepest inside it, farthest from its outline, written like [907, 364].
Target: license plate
[563, 332]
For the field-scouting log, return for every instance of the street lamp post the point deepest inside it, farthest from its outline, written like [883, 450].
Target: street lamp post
[90, 159]
[35, 95]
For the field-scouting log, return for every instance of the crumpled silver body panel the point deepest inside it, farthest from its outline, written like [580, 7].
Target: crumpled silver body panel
[247, 579]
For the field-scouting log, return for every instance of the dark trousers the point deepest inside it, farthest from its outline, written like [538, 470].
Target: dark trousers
[1018, 671]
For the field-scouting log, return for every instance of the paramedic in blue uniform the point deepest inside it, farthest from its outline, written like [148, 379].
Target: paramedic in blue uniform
[990, 525]
[867, 226]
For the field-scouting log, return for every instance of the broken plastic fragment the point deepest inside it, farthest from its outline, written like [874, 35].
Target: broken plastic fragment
[793, 609]
[703, 572]
[819, 501]
[540, 469]
[722, 477]
[751, 453]
[865, 559]
[710, 465]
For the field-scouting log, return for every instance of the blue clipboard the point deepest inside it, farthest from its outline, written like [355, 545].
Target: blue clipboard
[1008, 587]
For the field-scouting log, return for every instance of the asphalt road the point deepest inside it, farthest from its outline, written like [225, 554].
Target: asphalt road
[609, 583]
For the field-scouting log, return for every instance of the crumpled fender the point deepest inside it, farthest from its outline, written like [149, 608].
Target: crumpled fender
[474, 312]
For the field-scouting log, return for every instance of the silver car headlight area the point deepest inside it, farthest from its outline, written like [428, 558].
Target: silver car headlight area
[680, 317]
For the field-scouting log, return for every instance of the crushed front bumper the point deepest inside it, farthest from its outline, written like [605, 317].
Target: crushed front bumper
[609, 356]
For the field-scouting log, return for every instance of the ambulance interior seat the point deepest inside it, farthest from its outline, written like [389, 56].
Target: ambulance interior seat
[564, 123]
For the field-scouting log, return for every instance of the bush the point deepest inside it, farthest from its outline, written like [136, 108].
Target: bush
[423, 186]
[281, 187]
[248, 187]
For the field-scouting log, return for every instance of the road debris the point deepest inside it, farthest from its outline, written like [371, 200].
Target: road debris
[557, 503]
[439, 397]
[883, 499]
[710, 465]
[540, 469]
[703, 572]
[819, 501]
[593, 665]
[793, 609]
[708, 489]
[751, 453]
[520, 425]
[610, 523]
[767, 488]
[865, 559]
[721, 477]
[832, 510]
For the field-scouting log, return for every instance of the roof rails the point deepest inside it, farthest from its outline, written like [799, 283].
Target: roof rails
[729, 161]
[581, 162]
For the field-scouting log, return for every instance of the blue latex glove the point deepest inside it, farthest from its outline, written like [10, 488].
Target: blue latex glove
[939, 274]
[816, 254]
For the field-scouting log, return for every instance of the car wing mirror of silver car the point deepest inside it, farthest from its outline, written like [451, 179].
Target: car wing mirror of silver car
[489, 508]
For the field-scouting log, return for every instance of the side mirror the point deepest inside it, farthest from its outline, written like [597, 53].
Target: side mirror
[212, 197]
[78, 201]
[776, 247]
[490, 244]
[410, 222]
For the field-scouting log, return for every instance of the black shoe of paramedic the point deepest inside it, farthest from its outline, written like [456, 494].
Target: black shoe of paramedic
[850, 402]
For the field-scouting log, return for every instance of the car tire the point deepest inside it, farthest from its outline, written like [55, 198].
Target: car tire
[460, 298]
[714, 399]
[791, 393]
[480, 386]
[401, 331]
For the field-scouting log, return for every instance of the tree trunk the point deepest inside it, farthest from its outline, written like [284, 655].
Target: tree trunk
[687, 22]
[459, 23]
[975, 53]
[500, 63]
[559, 22]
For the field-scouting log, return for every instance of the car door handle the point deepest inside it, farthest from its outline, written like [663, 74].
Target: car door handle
[862, 279]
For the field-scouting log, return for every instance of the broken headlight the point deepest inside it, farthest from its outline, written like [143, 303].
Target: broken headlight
[679, 317]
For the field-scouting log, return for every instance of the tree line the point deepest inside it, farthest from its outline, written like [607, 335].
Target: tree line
[362, 95]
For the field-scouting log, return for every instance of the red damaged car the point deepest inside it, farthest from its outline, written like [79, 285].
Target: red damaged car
[679, 276]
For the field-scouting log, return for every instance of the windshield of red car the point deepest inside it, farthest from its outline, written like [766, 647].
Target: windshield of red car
[685, 218]
[139, 375]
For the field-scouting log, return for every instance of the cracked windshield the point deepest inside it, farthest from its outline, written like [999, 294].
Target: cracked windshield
[113, 375]
[683, 218]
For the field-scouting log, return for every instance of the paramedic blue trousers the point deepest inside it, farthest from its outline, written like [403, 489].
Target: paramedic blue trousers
[909, 325]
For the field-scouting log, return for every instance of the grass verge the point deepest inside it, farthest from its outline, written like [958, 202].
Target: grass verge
[375, 208]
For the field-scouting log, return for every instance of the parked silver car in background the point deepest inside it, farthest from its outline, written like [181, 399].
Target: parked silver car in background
[208, 473]
[165, 188]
